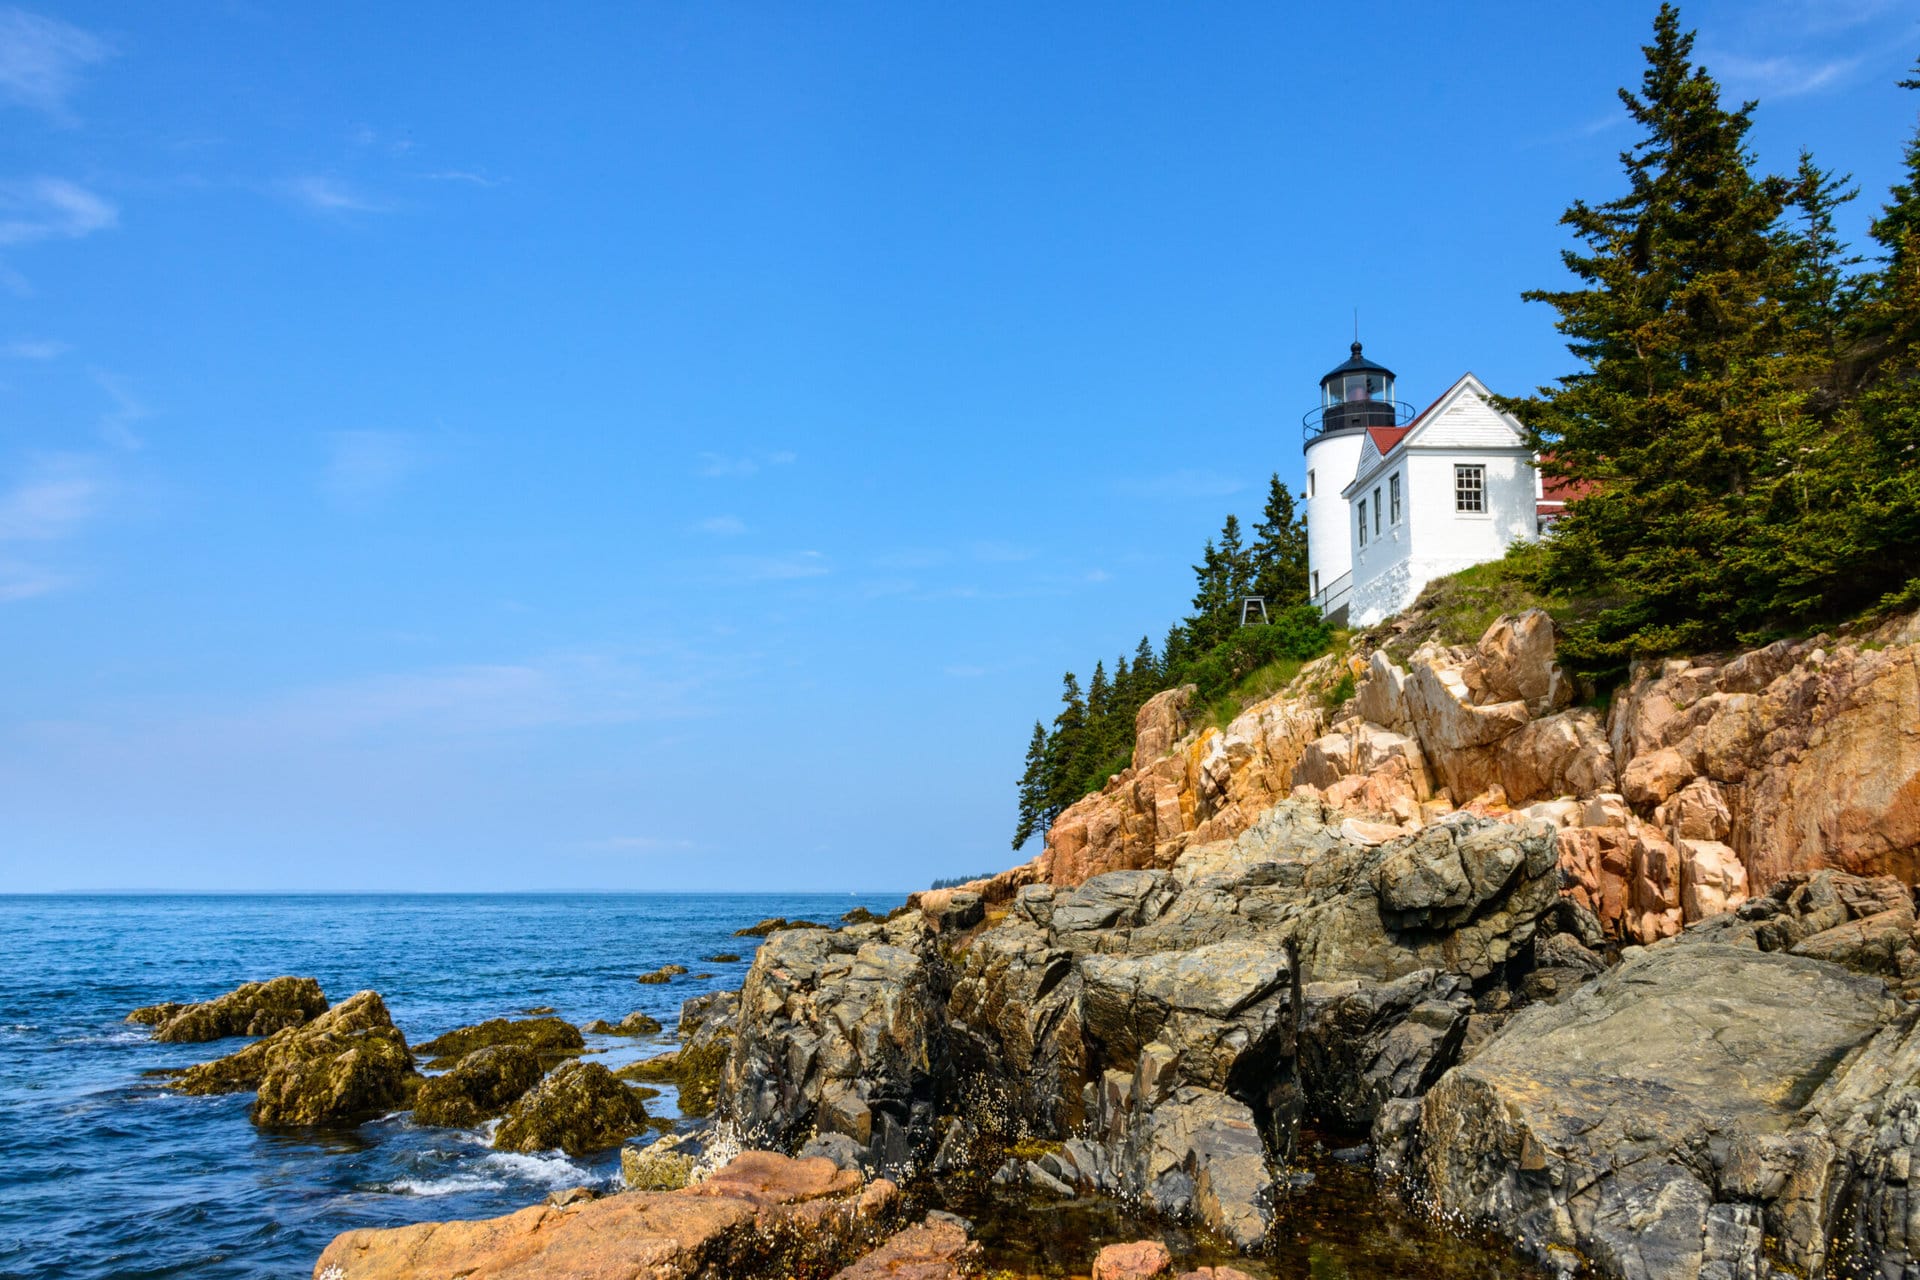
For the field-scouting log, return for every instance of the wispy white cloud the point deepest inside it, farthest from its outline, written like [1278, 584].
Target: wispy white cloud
[325, 194]
[719, 466]
[57, 495]
[116, 424]
[53, 500]
[721, 526]
[1780, 76]
[41, 60]
[790, 567]
[466, 176]
[365, 467]
[35, 349]
[1181, 484]
[51, 209]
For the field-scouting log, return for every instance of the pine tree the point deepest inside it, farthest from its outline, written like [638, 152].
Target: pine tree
[1066, 748]
[1034, 815]
[1174, 652]
[1279, 552]
[1691, 362]
[1125, 704]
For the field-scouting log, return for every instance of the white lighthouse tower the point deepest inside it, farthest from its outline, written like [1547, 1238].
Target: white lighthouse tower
[1354, 396]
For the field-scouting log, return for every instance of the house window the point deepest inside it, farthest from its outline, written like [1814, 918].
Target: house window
[1309, 484]
[1393, 495]
[1376, 512]
[1470, 488]
[1363, 522]
[1316, 582]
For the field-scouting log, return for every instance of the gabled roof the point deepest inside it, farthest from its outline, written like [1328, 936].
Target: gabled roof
[1386, 442]
[1385, 438]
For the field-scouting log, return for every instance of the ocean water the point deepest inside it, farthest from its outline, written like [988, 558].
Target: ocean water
[104, 1173]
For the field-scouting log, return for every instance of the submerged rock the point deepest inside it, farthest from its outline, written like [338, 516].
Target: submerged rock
[664, 974]
[346, 1065]
[763, 1214]
[252, 1009]
[936, 1249]
[772, 925]
[479, 1087]
[552, 1040]
[578, 1109]
[634, 1024]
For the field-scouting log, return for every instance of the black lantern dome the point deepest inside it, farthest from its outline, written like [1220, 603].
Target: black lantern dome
[1354, 394]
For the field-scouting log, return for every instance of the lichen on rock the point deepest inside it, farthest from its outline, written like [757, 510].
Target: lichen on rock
[580, 1108]
[552, 1040]
[252, 1009]
[482, 1085]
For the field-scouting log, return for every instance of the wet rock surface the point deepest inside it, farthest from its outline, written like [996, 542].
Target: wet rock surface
[763, 1214]
[253, 1009]
[578, 1109]
[480, 1086]
[346, 1065]
[552, 1040]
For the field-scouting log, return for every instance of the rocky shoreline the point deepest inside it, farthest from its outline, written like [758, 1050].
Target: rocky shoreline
[1632, 990]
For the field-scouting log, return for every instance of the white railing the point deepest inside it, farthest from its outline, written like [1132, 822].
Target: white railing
[1335, 596]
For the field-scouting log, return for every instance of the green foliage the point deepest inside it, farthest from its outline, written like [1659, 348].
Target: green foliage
[1746, 411]
[1279, 555]
[1341, 691]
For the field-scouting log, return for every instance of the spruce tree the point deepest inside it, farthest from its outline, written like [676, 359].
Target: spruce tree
[1204, 629]
[1099, 727]
[1146, 670]
[1237, 567]
[1066, 748]
[1899, 221]
[1279, 552]
[1034, 815]
[1681, 320]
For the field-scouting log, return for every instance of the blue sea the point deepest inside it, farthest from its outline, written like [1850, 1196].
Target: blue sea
[104, 1173]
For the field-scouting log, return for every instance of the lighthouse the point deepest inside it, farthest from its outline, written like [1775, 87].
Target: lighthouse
[1354, 396]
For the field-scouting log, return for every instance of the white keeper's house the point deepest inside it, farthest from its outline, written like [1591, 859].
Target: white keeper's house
[1397, 498]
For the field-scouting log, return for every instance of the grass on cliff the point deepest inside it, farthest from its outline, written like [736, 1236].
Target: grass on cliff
[1259, 685]
[1458, 608]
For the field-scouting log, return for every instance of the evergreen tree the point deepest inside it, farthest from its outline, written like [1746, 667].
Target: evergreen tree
[1099, 726]
[1146, 680]
[1821, 297]
[1682, 322]
[1066, 748]
[1034, 815]
[1125, 704]
[1899, 221]
[1211, 584]
[1236, 565]
[1279, 554]
[1174, 652]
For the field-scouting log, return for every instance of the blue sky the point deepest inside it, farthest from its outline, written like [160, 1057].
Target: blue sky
[680, 446]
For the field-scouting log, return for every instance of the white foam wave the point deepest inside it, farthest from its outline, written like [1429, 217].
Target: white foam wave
[551, 1169]
[450, 1186]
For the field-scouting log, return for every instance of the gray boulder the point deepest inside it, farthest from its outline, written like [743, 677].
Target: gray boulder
[1653, 1121]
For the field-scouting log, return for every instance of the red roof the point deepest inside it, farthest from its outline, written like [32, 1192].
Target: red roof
[1559, 489]
[1385, 438]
